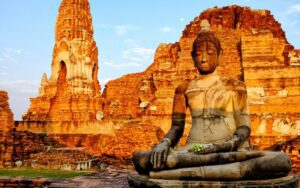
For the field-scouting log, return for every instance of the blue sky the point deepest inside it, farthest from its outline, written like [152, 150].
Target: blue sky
[127, 34]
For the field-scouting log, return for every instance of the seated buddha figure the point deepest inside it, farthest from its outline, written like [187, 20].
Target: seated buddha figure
[220, 129]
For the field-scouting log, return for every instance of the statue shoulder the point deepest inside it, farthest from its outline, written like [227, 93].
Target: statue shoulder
[181, 89]
[233, 84]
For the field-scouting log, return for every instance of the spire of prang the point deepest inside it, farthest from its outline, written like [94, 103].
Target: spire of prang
[75, 50]
[74, 20]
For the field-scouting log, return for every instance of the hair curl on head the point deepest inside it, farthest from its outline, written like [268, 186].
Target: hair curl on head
[207, 36]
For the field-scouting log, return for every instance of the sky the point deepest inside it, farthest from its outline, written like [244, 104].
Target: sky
[126, 32]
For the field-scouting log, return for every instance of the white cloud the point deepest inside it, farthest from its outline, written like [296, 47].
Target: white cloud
[21, 86]
[124, 29]
[130, 42]
[292, 9]
[138, 54]
[118, 29]
[296, 8]
[121, 65]
[11, 50]
[8, 54]
[134, 56]
[181, 19]
[19, 92]
[3, 67]
[3, 70]
[166, 29]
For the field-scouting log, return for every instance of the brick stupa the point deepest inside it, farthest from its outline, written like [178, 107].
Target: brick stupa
[255, 50]
[72, 91]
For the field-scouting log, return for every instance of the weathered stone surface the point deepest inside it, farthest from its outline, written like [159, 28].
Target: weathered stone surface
[287, 144]
[64, 151]
[72, 91]
[6, 128]
[132, 136]
[6, 115]
[142, 181]
[62, 145]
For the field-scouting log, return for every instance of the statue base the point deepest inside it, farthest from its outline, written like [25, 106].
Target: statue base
[135, 180]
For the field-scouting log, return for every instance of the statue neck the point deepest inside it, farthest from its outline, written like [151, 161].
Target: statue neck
[208, 79]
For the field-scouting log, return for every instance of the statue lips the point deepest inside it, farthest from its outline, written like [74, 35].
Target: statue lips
[204, 67]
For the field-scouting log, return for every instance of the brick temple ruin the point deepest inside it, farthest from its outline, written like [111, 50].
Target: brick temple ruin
[72, 92]
[71, 121]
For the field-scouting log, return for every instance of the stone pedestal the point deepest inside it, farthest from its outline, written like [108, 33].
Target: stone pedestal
[135, 180]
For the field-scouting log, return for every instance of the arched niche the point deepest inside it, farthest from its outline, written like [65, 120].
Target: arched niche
[62, 75]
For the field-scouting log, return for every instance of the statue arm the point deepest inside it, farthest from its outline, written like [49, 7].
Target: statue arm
[242, 117]
[178, 117]
[160, 151]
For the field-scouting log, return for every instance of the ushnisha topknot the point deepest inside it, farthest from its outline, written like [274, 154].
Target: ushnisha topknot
[206, 35]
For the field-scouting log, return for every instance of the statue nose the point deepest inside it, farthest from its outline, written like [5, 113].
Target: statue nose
[203, 60]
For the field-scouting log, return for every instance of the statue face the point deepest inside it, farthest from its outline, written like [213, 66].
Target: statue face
[206, 57]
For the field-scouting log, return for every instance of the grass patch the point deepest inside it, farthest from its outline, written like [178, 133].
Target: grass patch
[40, 173]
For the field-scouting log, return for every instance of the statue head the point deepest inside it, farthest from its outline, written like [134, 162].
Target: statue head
[206, 51]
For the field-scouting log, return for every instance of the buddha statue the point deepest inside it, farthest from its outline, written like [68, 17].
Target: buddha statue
[218, 145]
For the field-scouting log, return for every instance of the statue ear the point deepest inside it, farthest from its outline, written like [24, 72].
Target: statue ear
[221, 52]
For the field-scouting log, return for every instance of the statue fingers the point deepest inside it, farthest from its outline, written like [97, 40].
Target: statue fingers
[156, 159]
[159, 157]
[151, 158]
[165, 155]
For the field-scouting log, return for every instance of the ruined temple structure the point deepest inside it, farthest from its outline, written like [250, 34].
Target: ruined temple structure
[69, 105]
[72, 92]
[6, 130]
[255, 50]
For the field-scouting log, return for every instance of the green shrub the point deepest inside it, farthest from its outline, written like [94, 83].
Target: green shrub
[40, 173]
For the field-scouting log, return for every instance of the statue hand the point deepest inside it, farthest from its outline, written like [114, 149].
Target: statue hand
[159, 155]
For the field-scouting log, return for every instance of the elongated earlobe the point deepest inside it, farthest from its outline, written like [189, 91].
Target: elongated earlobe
[220, 53]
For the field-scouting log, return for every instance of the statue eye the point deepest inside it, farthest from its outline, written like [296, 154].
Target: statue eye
[210, 52]
[198, 53]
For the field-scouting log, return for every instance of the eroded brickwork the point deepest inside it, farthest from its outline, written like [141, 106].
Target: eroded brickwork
[6, 132]
[72, 92]
[255, 50]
